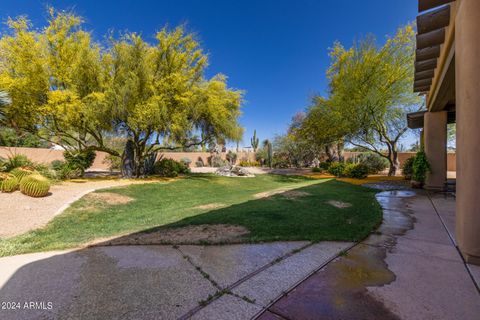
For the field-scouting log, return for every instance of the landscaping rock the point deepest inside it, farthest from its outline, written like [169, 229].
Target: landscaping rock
[233, 171]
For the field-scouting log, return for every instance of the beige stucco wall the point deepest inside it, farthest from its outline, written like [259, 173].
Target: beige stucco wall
[41, 155]
[402, 156]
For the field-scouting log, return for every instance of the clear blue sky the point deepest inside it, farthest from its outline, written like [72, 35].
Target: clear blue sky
[275, 50]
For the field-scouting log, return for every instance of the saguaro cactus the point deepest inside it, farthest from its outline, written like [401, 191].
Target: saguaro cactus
[254, 141]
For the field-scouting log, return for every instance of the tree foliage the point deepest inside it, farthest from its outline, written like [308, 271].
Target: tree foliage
[370, 91]
[75, 92]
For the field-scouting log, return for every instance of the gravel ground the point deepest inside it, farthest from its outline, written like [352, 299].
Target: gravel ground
[20, 213]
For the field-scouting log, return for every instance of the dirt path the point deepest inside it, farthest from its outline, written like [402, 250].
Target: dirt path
[20, 213]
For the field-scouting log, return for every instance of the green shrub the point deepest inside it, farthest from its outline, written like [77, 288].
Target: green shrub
[57, 164]
[356, 170]
[217, 161]
[420, 167]
[246, 163]
[280, 160]
[231, 157]
[17, 161]
[336, 168]
[186, 161]
[199, 163]
[22, 172]
[374, 162]
[316, 169]
[170, 168]
[8, 182]
[114, 162]
[3, 164]
[35, 185]
[46, 171]
[407, 168]
[81, 160]
[63, 170]
[325, 165]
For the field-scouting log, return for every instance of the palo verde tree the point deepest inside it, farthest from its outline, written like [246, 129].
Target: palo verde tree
[54, 78]
[371, 90]
[74, 92]
[158, 95]
[323, 128]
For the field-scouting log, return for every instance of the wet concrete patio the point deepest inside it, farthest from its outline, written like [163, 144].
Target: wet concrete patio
[408, 269]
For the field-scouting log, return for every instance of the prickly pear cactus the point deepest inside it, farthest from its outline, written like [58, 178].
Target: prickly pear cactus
[8, 182]
[35, 185]
[22, 172]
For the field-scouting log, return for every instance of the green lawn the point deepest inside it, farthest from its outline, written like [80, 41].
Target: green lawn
[173, 204]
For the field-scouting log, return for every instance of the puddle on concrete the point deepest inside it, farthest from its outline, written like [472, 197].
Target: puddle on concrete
[340, 290]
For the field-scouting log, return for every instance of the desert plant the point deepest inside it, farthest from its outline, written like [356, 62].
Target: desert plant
[3, 164]
[22, 172]
[246, 163]
[324, 165]
[407, 168]
[113, 162]
[35, 185]
[17, 161]
[81, 160]
[280, 160]
[254, 141]
[63, 170]
[170, 168]
[46, 171]
[149, 163]
[231, 157]
[373, 161]
[8, 182]
[186, 161]
[356, 170]
[217, 161]
[336, 168]
[269, 152]
[420, 167]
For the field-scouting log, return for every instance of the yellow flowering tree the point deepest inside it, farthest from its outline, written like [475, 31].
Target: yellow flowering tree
[70, 90]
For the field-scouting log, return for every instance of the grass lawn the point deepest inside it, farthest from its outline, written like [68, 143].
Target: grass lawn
[175, 204]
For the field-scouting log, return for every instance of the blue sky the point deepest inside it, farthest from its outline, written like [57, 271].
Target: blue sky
[277, 51]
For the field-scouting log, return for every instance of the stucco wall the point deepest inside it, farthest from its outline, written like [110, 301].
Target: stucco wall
[402, 156]
[41, 155]
[48, 155]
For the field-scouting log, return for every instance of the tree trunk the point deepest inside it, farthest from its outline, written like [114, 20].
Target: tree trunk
[393, 159]
[128, 164]
[334, 151]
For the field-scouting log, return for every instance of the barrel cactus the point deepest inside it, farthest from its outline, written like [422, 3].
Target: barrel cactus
[35, 185]
[22, 172]
[8, 182]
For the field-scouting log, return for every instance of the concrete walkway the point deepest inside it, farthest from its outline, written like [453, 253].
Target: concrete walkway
[158, 282]
[409, 269]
